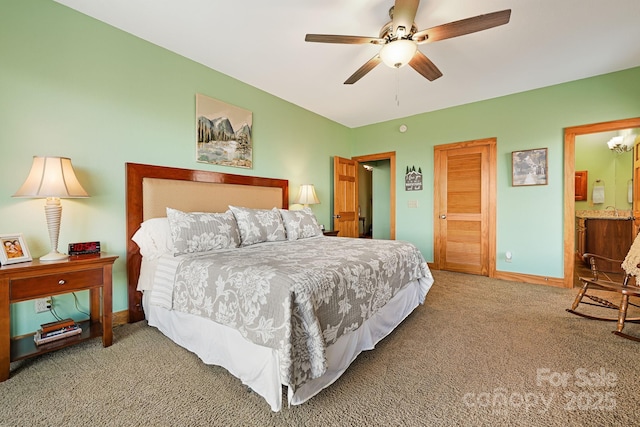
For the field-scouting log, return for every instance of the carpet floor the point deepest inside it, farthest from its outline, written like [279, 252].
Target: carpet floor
[479, 352]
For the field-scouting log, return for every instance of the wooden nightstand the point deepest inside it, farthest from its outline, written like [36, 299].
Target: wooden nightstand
[30, 280]
[330, 232]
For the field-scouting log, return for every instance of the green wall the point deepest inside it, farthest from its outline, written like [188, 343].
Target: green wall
[73, 86]
[529, 219]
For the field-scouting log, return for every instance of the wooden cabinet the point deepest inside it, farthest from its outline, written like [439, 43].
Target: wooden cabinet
[29, 280]
[581, 185]
[610, 238]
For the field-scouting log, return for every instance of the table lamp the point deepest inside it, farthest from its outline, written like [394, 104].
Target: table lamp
[52, 178]
[307, 196]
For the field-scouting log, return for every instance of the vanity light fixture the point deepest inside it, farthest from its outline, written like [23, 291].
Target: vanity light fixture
[623, 142]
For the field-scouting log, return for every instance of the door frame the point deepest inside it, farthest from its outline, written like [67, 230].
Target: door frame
[391, 156]
[490, 237]
[570, 134]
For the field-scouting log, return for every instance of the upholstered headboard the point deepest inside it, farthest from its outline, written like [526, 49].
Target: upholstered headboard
[150, 189]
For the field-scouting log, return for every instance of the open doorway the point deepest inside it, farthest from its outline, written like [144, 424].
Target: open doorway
[380, 216]
[365, 200]
[374, 193]
[570, 135]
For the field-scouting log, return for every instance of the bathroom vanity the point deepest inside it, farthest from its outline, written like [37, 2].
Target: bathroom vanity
[605, 233]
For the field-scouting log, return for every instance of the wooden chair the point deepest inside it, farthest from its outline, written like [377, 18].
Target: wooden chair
[623, 283]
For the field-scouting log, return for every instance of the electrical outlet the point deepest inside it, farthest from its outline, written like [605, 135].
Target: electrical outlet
[43, 304]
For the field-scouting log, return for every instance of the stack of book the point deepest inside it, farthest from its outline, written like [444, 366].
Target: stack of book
[56, 330]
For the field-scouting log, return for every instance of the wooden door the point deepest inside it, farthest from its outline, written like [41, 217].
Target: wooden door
[464, 207]
[345, 196]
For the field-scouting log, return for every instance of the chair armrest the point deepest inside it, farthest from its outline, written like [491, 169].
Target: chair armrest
[592, 261]
[587, 258]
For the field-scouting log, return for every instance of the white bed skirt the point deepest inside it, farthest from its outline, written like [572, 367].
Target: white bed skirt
[258, 366]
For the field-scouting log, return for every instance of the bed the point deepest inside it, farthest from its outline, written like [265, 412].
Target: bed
[276, 303]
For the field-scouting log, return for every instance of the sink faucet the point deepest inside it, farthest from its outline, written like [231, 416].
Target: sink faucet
[615, 211]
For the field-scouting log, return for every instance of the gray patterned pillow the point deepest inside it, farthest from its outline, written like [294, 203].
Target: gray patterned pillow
[300, 224]
[258, 225]
[201, 232]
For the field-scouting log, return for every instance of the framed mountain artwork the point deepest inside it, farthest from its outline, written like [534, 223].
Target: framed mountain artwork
[223, 133]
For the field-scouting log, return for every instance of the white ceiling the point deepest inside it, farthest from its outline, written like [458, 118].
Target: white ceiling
[261, 43]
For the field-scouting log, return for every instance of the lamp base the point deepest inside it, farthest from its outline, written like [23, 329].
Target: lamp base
[54, 256]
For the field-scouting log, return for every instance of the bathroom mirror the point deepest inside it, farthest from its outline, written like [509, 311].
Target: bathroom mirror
[609, 170]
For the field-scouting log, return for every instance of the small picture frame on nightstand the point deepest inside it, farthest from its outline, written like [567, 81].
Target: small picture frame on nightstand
[14, 249]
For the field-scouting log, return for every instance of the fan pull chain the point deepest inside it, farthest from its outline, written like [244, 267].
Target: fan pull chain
[398, 87]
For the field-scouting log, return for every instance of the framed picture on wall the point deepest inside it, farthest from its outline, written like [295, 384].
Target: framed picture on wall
[14, 249]
[223, 133]
[529, 167]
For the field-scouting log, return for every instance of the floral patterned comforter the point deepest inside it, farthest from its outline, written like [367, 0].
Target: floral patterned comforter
[297, 297]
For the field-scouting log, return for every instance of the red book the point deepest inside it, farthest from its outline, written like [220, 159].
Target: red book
[57, 331]
[54, 326]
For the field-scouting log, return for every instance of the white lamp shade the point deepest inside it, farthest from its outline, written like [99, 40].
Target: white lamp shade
[51, 177]
[307, 195]
[398, 53]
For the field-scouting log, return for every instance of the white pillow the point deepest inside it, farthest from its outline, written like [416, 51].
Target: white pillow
[202, 232]
[259, 225]
[154, 238]
[300, 224]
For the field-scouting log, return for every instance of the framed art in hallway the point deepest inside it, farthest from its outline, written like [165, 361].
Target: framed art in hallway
[14, 249]
[223, 133]
[529, 167]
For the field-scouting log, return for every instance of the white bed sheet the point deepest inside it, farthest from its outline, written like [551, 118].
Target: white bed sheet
[257, 366]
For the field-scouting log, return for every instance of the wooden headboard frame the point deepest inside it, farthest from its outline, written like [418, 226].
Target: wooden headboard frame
[221, 192]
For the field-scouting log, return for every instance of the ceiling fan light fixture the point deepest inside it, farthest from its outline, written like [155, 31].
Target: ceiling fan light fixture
[399, 39]
[398, 53]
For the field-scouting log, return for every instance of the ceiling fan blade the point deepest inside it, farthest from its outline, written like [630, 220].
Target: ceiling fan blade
[424, 66]
[404, 13]
[368, 66]
[462, 27]
[330, 38]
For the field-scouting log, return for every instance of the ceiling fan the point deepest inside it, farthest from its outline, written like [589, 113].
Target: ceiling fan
[400, 38]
